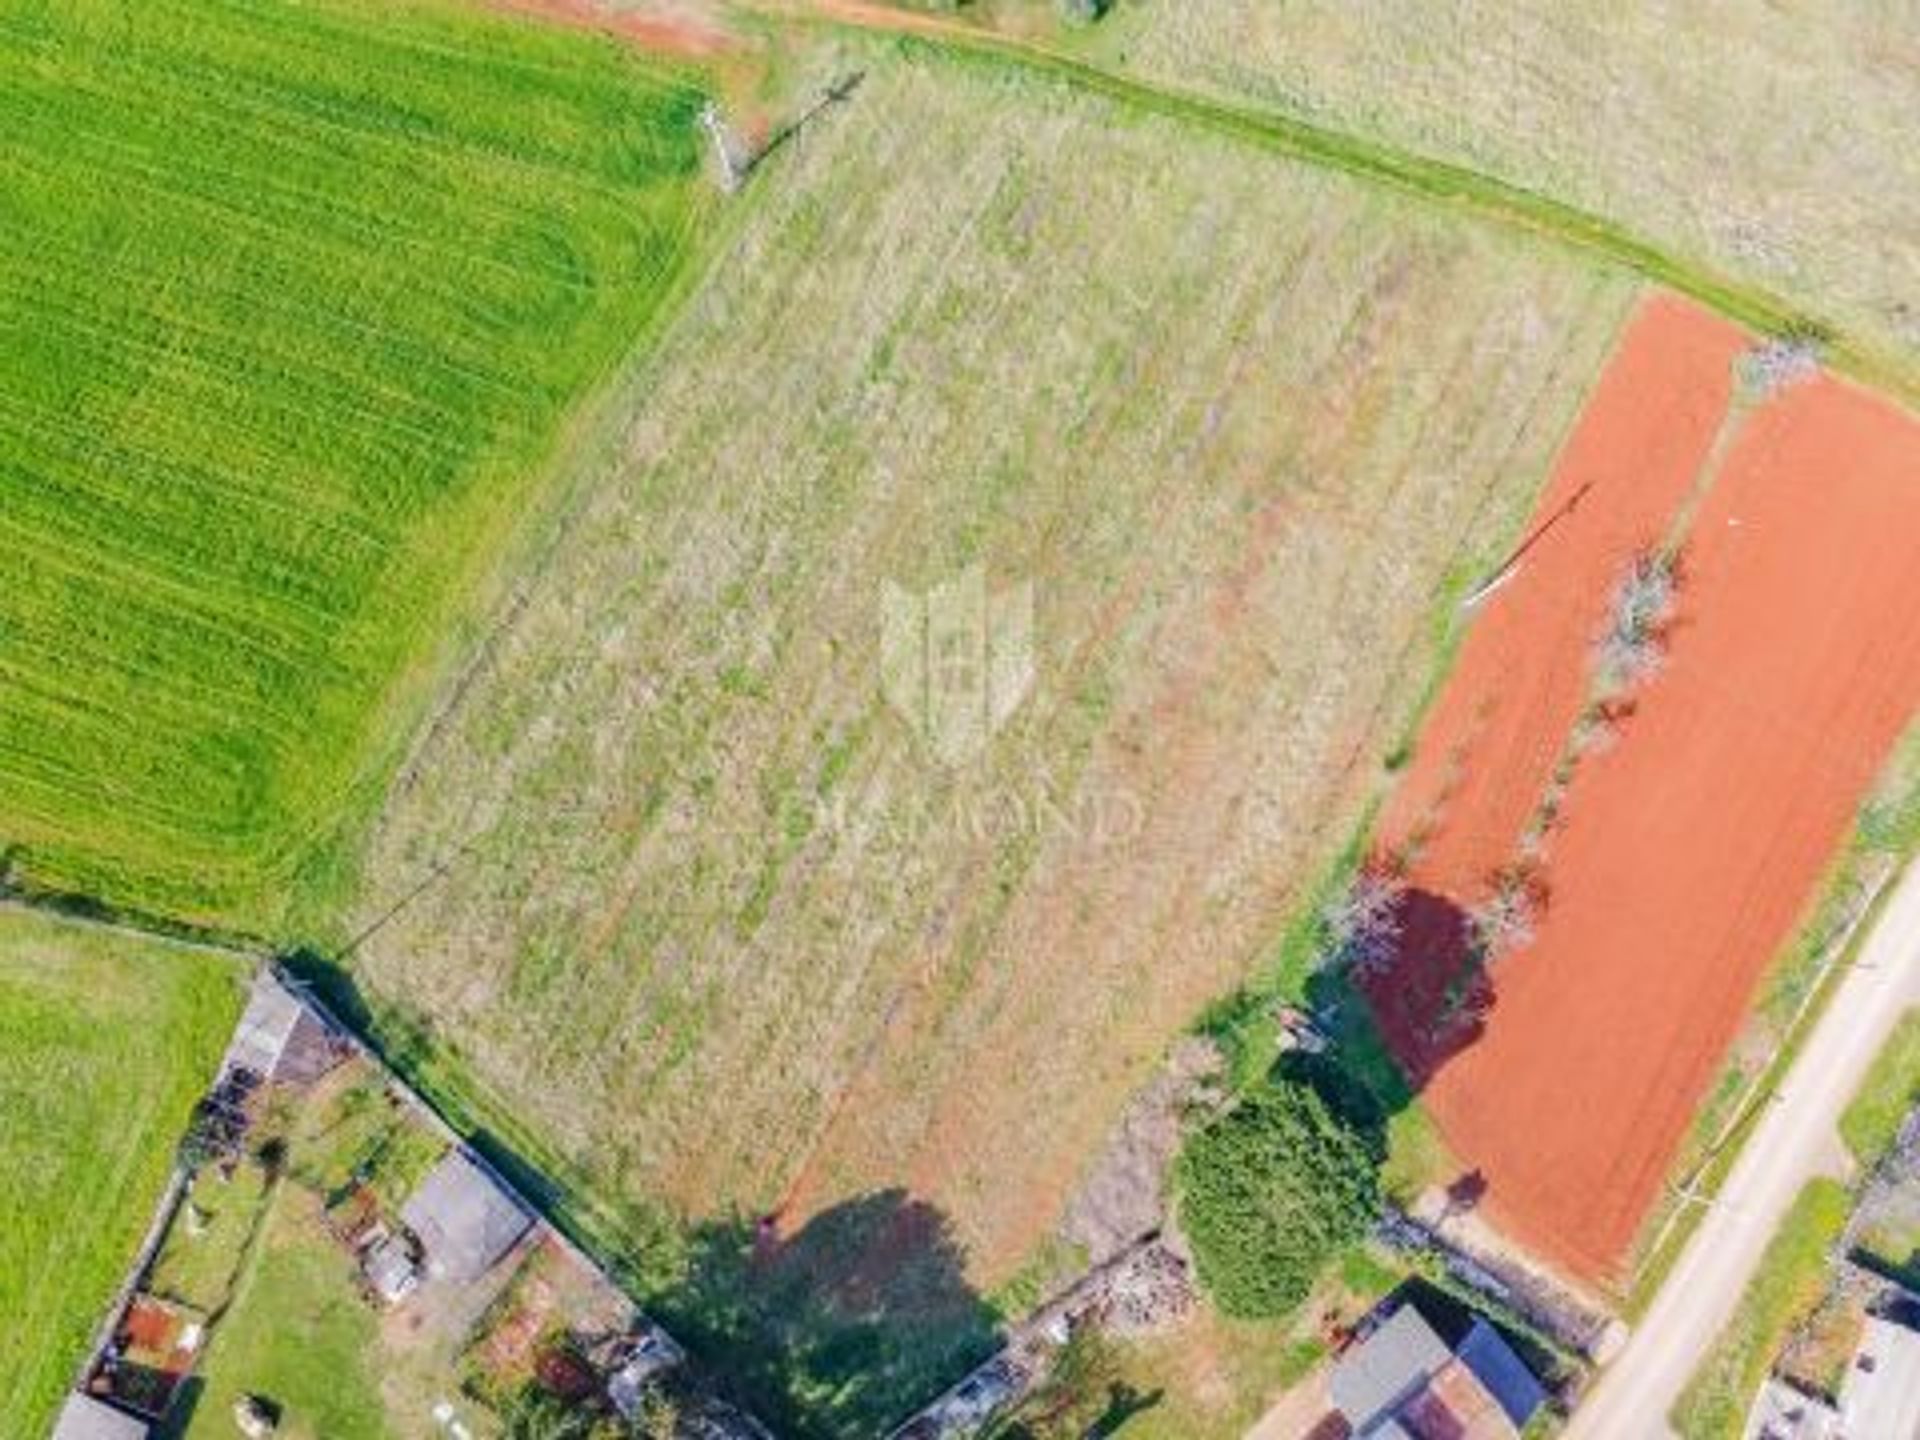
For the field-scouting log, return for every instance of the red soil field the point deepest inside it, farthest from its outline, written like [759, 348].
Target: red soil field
[1688, 850]
[1490, 744]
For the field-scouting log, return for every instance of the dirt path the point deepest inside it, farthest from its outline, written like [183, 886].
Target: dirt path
[1298, 1412]
[684, 35]
[1793, 1143]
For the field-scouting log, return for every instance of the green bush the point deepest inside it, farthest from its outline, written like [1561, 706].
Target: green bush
[1269, 1194]
[1874, 1116]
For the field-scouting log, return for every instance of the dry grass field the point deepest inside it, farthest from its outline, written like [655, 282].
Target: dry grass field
[1768, 142]
[683, 893]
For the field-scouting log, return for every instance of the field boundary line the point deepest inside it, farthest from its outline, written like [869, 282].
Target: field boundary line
[1513, 206]
[89, 913]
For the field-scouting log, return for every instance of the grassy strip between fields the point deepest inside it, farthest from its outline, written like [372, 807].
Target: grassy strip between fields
[1437, 180]
[1892, 1088]
[1794, 1272]
[1791, 1279]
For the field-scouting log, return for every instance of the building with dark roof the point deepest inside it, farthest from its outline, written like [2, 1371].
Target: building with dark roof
[1403, 1382]
[281, 1038]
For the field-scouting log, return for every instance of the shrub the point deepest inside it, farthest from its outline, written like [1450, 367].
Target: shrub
[1364, 920]
[1504, 922]
[1082, 1388]
[1634, 642]
[1269, 1194]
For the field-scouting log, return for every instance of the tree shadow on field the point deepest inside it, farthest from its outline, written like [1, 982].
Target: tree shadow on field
[833, 1332]
[840, 1329]
[1429, 997]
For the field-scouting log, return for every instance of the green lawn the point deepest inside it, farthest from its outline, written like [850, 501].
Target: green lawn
[299, 1332]
[200, 1259]
[295, 303]
[105, 1043]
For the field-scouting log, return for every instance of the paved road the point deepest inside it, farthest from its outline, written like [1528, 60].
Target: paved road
[1794, 1141]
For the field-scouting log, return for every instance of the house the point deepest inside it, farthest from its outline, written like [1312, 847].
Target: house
[1881, 1394]
[1879, 1397]
[85, 1418]
[280, 1038]
[466, 1222]
[1403, 1381]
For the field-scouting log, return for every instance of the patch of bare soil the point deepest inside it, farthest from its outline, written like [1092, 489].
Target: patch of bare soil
[684, 31]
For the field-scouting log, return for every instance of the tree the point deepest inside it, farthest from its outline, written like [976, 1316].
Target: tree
[1634, 642]
[1269, 1193]
[1364, 920]
[1082, 1394]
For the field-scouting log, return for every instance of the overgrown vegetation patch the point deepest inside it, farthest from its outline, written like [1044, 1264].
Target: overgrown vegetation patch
[1787, 1286]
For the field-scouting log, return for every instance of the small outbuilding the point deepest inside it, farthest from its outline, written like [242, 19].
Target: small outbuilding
[1881, 1393]
[85, 1418]
[465, 1221]
[281, 1038]
[388, 1264]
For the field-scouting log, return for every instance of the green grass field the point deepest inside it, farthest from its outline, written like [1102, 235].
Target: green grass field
[105, 1044]
[295, 303]
[716, 931]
